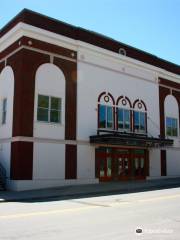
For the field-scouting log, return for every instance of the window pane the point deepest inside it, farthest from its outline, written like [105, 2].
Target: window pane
[42, 114]
[174, 132]
[120, 118]
[168, 131]
[136, 120]
[109, 117]
[171, 127]
[102, 116]
[174, 123]
[55, 103]
[55, 116]
[43, 101]
[126, 119]
[168, 122]
[142, 121]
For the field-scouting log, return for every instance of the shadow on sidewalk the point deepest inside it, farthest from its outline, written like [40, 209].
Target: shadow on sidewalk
[103, 189]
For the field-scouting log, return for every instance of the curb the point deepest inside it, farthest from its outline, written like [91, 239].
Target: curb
[91, 194]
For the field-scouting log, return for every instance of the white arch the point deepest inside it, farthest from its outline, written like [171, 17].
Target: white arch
[49, 78]
[171, 107]
[7, 91]
[49, 81]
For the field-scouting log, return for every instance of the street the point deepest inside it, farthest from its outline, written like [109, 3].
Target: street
[153, 214]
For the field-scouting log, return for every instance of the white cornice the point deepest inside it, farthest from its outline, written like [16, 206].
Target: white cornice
[22, 29]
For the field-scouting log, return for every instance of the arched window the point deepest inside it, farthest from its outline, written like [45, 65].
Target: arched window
[123, 114]
[139, 117]
[106, 111]
[171, 116]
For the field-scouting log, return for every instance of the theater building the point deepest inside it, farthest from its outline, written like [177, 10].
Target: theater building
[77, 107]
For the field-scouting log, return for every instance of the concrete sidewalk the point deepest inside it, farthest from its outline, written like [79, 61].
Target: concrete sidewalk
[78, 191]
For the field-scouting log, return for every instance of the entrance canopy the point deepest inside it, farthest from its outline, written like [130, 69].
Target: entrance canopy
[125, 139]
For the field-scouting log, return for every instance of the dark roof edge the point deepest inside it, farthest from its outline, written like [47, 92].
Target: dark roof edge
[42, 21]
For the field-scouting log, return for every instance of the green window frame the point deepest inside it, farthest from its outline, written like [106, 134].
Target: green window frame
[49, 109]
[171, 127]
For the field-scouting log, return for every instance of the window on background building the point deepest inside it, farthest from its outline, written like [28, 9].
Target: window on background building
[171, 127]
[106, 118]
[139, 122]
[4, 110]
[49, 109]
[124, 119]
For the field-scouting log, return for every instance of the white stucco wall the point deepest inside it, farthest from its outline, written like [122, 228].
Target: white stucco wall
[154, 163]
[6, 91]
[85, 162]
[173, 162]
[49, 161]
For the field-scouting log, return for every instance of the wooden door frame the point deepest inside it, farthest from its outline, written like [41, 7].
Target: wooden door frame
[114, 155]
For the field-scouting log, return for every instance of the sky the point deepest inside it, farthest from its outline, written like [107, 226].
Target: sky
[150, 25]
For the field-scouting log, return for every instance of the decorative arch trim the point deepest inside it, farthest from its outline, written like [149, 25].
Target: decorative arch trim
[138, 101]
[106, 94]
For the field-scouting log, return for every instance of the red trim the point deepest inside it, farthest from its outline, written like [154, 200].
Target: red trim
[2, 65]
[163, 92]
[169, 83]
[163, 163]
[71, 162]
[21, 160]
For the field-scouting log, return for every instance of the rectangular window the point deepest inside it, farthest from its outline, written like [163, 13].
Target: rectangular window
[123, 119]
[4, 110]
[139, 122]
[106, 118]
[171, 127]
[49, 109]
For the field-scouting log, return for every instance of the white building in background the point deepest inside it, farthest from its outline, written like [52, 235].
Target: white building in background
[78, 107]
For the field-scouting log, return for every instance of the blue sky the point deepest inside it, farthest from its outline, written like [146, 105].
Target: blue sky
[150, 25]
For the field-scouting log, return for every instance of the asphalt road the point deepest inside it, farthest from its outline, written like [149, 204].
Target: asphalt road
[155, 213]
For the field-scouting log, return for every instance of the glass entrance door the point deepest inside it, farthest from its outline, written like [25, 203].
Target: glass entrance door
[105, 168]
[123, 167]
[120, 164]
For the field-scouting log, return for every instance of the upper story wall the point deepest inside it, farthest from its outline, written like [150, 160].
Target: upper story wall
[98, 73]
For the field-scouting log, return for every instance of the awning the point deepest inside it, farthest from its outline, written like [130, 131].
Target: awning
[131, 139]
